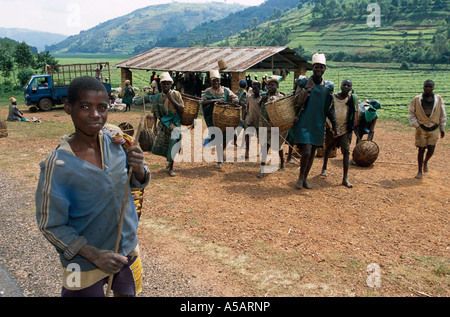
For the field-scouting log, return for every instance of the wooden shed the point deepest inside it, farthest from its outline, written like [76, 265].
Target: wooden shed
[238, 61]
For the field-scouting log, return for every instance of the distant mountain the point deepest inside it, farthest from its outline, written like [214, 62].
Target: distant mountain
[38, 39]
[139, 30]
[213, 31]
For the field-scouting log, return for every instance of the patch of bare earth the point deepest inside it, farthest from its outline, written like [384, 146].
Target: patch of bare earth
[231, 234]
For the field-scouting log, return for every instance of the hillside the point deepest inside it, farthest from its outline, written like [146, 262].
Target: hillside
[139, 30]
[213, 31]
[33, 38]
[407, 32]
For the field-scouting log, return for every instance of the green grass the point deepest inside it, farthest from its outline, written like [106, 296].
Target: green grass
[392, 87]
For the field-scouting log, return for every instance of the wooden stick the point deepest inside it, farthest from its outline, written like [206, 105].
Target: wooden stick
[122, 213]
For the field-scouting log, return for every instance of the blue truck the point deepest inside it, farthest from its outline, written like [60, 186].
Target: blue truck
[45, 91]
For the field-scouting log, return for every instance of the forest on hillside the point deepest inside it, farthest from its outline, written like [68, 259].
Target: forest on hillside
[409, 19]
[18, 62]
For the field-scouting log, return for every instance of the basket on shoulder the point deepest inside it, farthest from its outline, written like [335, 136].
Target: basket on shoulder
[282, 112]
[226, 115]
[191, 109]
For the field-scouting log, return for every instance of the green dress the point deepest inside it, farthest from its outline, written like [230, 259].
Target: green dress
[167, 121]
[128, 95]
[310, 128]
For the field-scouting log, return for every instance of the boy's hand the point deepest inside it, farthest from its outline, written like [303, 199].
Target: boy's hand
[107, 261]
[135, 160]
[110, 262]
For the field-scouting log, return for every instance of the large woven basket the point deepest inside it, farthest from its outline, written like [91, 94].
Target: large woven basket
[365, 153]
[3, 129]
[146, 140]
[226, 115]
[191, 108]
[282, 112]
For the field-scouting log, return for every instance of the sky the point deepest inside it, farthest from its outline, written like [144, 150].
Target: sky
[69, 17]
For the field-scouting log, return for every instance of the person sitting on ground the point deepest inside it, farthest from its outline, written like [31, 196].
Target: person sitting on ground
[14, 114]
[427, 114]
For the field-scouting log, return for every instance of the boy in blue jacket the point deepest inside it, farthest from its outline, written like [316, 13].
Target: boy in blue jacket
[79, 199]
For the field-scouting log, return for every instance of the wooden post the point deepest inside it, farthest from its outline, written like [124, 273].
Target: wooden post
[235, 78]
[126, 74]
[300, 71]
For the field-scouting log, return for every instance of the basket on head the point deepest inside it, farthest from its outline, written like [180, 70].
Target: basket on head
[365, 153]
[282, 112]
[3, 129]
[127, 128]
[191, 108]
[222, 64]
[226, 115]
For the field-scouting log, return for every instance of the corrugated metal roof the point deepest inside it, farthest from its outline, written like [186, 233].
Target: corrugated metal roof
[203, 59]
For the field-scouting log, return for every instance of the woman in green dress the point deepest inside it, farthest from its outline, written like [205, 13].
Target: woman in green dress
[128, 95]
[167, 107]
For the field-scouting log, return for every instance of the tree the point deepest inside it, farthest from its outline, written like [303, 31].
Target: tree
[23, 56]
[6, 64]
[42, 59]
[24, 76]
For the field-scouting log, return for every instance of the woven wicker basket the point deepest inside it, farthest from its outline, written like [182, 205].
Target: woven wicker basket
[226, 115]
[3, 129]
[282, 112]
[146, 140]
[191, 108]
[365, 153]
[127, 128]
[138, 198]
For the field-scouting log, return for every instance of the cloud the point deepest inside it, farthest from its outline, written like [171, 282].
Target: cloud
[71, 17]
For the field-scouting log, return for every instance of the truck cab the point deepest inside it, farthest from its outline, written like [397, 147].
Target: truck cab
[40, 92]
